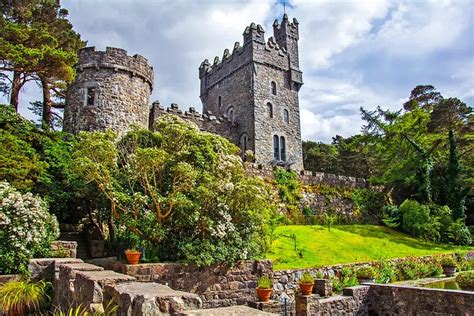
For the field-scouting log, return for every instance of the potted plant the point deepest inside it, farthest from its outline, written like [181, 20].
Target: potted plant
[264, 288]
[449, 266]
[306, 283]
[133, 256]
[465, 280]
[366, 274]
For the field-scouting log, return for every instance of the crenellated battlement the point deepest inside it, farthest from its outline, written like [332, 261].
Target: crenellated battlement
[116, 59]
[209, 122]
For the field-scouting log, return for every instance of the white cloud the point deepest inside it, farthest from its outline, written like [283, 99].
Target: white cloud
[316, 127]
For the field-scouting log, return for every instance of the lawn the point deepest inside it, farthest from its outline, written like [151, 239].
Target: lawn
[316, 246]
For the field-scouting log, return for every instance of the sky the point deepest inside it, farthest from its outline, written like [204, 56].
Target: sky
[352, 53]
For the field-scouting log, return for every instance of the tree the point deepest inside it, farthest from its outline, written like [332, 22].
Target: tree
[424, 96]
[178, 189]
[37, 42]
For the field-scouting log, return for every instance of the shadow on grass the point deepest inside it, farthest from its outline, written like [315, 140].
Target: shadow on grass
[381, 232]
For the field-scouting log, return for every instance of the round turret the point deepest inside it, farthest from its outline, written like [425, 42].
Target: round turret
[111, 91]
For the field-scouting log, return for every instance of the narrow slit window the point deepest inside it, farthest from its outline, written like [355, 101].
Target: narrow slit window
[286, 116]
[270, 110]
[90, 96]
[274, 88]
[244, 143]
[230, 113]
[276, 148]
[282, 148]
[219, 101]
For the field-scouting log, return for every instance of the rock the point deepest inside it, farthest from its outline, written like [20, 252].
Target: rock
[239, 310]
[149, 299]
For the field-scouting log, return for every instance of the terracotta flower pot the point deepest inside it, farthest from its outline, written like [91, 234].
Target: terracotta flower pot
[264, 294]
[449, 271]
[306, 288]
[133, 256]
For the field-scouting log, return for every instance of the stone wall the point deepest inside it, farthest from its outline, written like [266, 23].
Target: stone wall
[385, 299]
[67, 249]
[217, 285]
[120, 85]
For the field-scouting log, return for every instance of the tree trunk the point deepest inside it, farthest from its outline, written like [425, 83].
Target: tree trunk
[16, 86]
[46, 102]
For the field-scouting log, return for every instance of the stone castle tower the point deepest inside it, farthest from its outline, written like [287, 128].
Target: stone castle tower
[256, 87]
[111, 91]
[250, 96]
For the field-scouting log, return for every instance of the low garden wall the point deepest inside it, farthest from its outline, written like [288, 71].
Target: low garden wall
[221, 285]
[217, 285]
[388, 299]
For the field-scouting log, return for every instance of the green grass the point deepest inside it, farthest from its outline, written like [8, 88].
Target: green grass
[345, 244]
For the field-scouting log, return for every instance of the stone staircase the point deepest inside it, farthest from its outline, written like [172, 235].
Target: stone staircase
[67, 234]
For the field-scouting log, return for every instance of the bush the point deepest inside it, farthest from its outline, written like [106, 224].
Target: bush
[385, 272]
[22, 297]
[27, 229]
[369, 203]
[264, 282]
[447, 261]
[306, 278]
[465, 280]
[459, 234]
[366, 272]
[414, 217]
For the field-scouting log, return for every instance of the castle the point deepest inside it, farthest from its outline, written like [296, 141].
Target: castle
[250, 96]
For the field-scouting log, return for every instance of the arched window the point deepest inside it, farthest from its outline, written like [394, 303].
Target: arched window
[282, 148]
[244, 143]
[276, 147]
[274, 88]
[230, 113]
[270, 110]
[219, 101]
[286, 116]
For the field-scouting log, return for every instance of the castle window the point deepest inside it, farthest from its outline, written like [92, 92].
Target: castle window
[90, 96]
[274, 88]
[244, 143]
[230, 113]
[276, 147]
[286, 116]
[282, 148]
[270, 110]
[220, 101]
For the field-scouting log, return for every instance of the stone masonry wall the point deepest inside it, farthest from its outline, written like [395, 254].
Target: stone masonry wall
[122, 86]
[217, 285]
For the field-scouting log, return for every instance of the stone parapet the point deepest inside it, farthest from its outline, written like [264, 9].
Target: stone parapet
[116, 59]
[48, 268]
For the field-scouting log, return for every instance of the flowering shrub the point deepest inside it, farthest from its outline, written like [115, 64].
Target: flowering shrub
[26, 229]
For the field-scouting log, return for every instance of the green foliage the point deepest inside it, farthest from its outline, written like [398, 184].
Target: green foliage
[366, 272]
[178, 190]
[22, 297]
[385, 272]
[369, 203]
[329, 220]
[290, 192]
[264, 282]
[306, 277]
[345, 278]
[465, 280]
[26, 229]
[414, 217]
[447, 261]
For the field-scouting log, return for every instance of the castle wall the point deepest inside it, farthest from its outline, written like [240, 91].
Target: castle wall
[121, 86]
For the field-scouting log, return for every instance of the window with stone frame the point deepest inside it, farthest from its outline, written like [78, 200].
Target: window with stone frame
[274, 88]
[90, 95]
[270, 110]
[282, 148]
[230, 113]
[286, 116]
[276, 147]
[219, 101]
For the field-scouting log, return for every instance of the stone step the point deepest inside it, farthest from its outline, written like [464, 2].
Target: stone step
[237, 310]
[139, 298]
